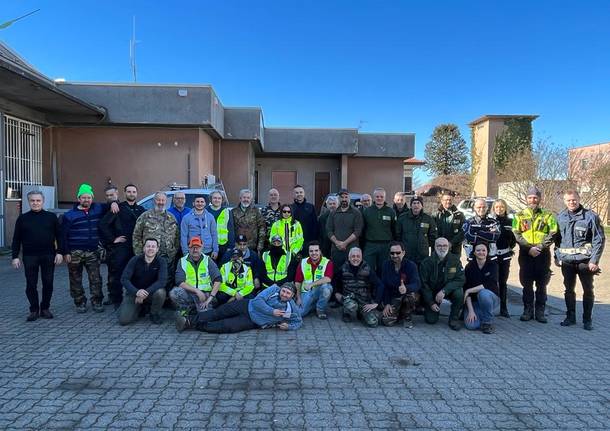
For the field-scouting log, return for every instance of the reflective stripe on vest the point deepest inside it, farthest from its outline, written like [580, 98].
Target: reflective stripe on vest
[308, 275]
[244, 284]
[200, 279]
[222, 227]
[281, 271]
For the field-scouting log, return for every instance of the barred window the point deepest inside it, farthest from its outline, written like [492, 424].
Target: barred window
[23, 150]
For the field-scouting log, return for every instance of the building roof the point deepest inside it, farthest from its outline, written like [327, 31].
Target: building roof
[500, 117]
[22, 84]
[584, 147]
[412, 161]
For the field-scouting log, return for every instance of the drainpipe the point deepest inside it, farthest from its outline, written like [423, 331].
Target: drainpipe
[2, 164]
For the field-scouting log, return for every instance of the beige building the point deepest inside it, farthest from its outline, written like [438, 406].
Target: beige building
[485, 130]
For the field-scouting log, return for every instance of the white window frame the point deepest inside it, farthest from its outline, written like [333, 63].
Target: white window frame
[23, 155]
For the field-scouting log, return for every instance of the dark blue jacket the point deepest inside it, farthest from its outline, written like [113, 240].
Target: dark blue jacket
[391, 279]
[577, 229]
[79, 229]
[305, 213]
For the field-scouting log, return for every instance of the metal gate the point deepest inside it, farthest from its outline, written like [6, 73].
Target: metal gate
[23, 155]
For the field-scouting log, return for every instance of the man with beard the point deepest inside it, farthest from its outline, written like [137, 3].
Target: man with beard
[312, 280]
[237, 280]
[578, 249]
[305, 213]
[417, 231]
[442, 277]
[535, 229]
[80, 240]
[199, 223]
[344, 227]
[449, 223]
[366, 200]
[161, 225]
[249, 221]
[278, 266]
[272, 212]
[401, 287]
[400, 204]
[116, 232]
[332, 202]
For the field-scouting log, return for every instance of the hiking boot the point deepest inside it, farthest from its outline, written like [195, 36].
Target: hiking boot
[504, 313]
[407, 323]
[487, 328]
[588, 325]
[182, 322]
[107, 301]
[528, 314]
[347, 318]
[540, 317]
[455, 324]
[321, 315]
[569, 320]
[32, 316]
[81, 308]
[334, 304]
[156, 319]
[98, 308]
[46, 314]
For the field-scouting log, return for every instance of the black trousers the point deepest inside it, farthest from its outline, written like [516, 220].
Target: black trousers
[117, 259]
[223, 298]
[46, 265]
[228, 318]
[534, 270]
[503, 271]
[570, 271]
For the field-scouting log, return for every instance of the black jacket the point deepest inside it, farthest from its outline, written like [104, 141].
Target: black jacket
[305, 213]
[122, 223]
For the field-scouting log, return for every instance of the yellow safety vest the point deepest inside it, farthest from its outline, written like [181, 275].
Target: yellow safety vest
[308, 275]
[200, 278]
[281, 271]
[295, 234]
[222, 227]
[244, 284]
[534, 226]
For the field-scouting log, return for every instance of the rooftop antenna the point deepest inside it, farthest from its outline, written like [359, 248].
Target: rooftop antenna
[361, 124]
[9, 23]
[132, 51]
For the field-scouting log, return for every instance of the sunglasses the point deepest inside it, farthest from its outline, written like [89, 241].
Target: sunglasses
[395, 253]
[287, 212]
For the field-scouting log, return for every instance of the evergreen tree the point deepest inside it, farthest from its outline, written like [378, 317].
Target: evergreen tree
[446, 152]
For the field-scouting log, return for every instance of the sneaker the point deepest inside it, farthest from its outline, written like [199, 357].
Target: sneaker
[407, 323]
[182, 322]
[321, 315]
[487, 328]
[455, 324]
[81, 308]
[46, 314]
[347, 318]
[540, 317]
[32, 316]
[588, 325]
[98, 308]
[156, 319]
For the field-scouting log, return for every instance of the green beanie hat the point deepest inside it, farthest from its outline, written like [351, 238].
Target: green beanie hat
[84, 189]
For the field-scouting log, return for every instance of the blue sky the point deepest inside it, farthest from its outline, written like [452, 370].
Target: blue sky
[393, 66]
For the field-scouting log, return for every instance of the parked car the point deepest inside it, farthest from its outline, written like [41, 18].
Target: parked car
[148, 202]
[466, 207]
[354, 198]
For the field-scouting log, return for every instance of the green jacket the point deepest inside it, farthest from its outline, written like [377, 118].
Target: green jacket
[417, 233]
[380, 223]
[449, 224]
[436, 274]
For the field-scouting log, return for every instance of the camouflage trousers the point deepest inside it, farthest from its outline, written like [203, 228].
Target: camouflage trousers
[187, 302]
[352, 306]
[90, 261]
[402, 307]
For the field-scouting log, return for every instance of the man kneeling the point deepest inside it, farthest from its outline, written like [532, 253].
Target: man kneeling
[360, 284]
[273, 307]
[144, 279]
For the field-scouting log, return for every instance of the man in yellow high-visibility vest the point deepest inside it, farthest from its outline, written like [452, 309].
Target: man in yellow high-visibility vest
[312, 279]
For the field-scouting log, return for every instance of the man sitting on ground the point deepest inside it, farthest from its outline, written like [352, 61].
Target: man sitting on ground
[237, 280]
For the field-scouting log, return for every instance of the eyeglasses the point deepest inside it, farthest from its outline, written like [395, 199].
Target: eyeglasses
[287, 212]
[395, 253]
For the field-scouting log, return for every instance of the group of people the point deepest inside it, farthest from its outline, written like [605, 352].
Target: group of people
[228, 270]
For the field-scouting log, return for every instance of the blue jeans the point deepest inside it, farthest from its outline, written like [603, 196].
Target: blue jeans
[318, 297]
[485, 307]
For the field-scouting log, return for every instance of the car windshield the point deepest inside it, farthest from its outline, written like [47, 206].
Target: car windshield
[190, 197]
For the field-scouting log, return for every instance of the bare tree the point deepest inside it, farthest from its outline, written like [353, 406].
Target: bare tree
[589, 171]
[546, 167]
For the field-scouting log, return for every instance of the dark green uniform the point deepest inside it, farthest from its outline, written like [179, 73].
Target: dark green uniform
[446, 274]
[379, 230]
[417, 233]
[449, 225]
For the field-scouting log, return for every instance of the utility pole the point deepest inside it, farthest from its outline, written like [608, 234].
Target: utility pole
[132, 51]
